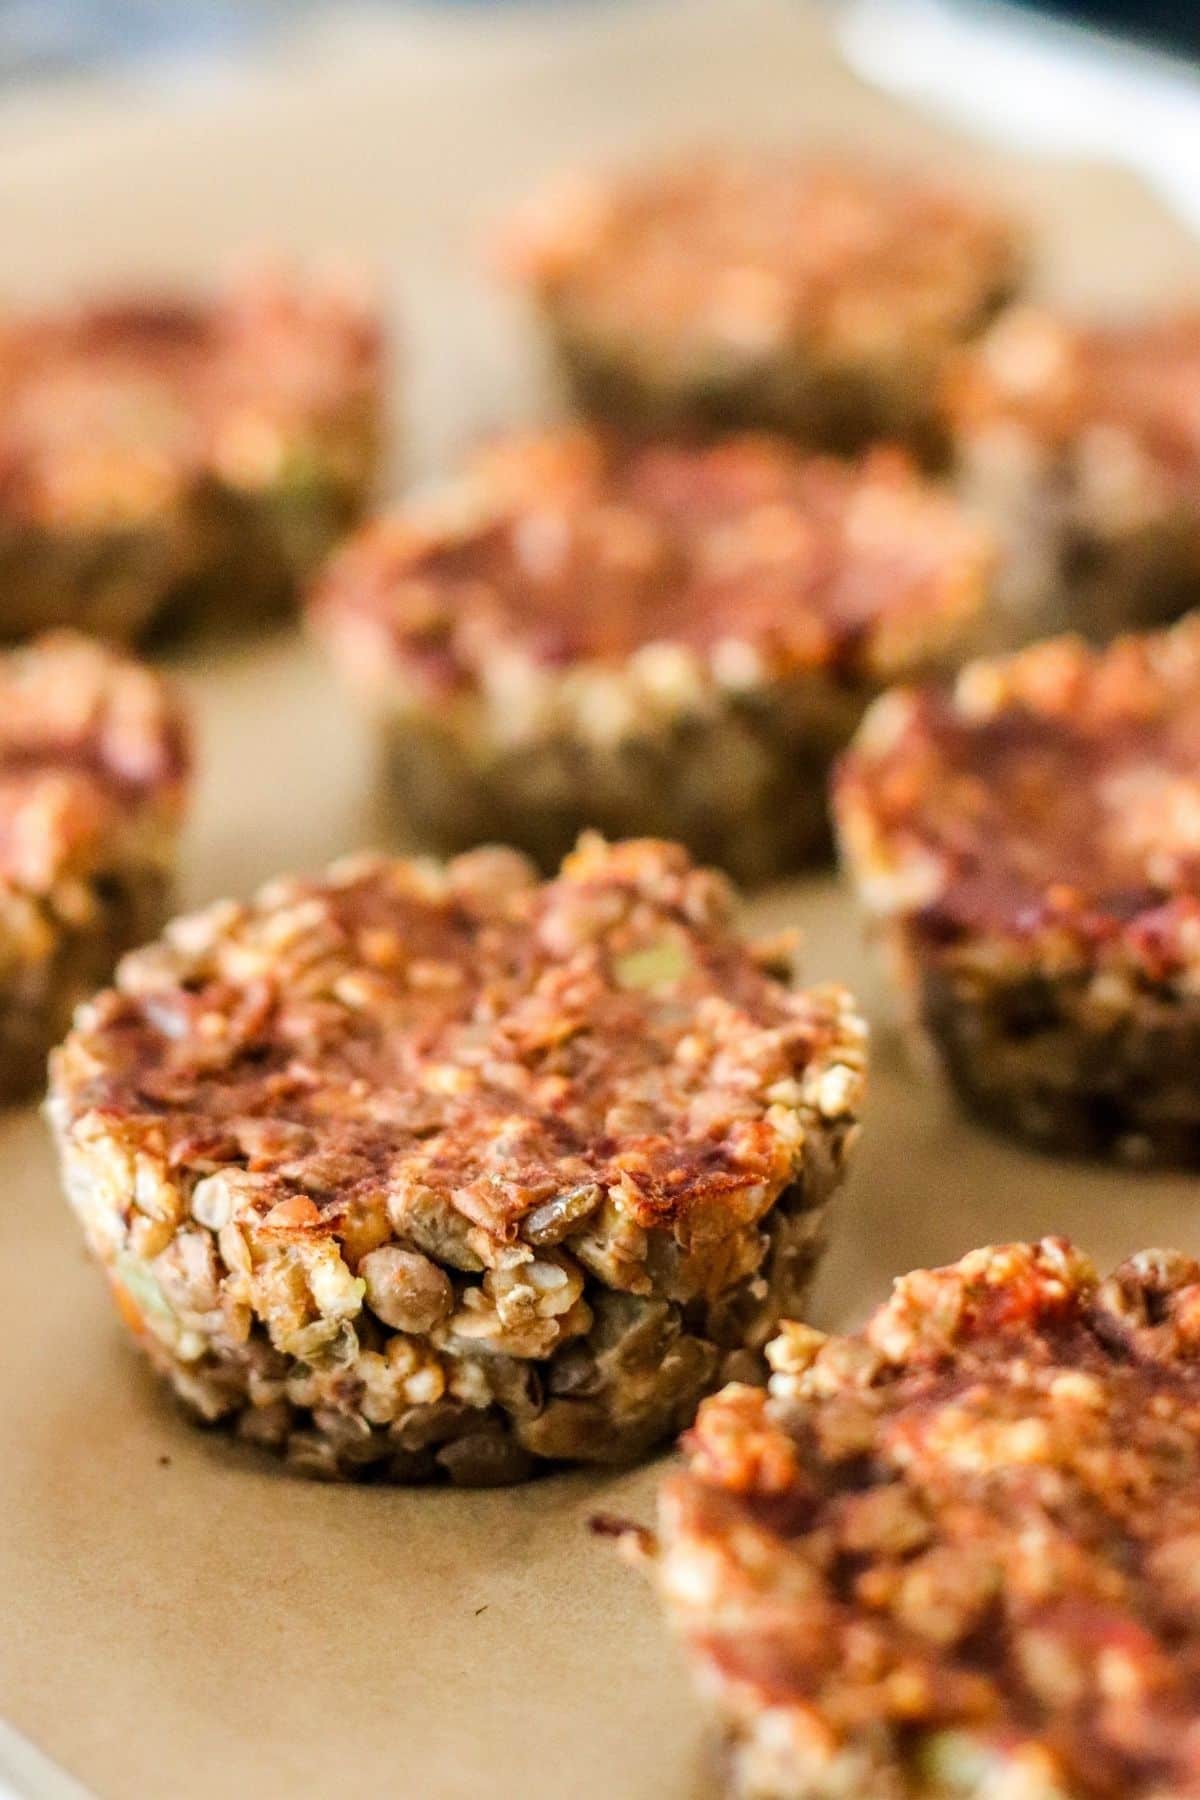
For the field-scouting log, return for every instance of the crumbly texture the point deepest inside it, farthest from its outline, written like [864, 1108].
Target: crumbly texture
[1081, 444]
[809, 296]
[180, 458]
[423, 1170]
[1030, 846]
[668, 640]
[954, 1556]
[93, 773]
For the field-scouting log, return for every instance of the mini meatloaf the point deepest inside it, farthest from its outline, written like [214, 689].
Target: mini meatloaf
[422, 1170]
[956, 1556]
[1082, 445]
[181, 457]
[668, 641]
[1030, 845]
[93, 768]
[811, 297]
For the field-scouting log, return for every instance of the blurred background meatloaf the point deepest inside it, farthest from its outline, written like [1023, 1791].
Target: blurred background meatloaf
[94, 765]
[670, 639]
[178, 456]
[817, 296]
[1080, 442]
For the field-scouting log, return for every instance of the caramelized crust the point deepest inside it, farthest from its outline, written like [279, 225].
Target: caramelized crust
[748, 557]
[756, 254]
[955, 1554]
[1051, 801]
[472, 1043]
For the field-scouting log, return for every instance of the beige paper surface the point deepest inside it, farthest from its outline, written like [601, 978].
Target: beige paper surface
[177, 1617]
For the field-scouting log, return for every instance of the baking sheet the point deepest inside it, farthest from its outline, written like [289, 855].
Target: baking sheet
[177, 1617]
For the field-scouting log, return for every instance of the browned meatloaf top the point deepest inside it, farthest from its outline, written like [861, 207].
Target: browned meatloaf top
[468, 1042]
[981, 1511]
[572, 549]
[92, 746]
[765, 253]
[108, 411]
[1058, 789]
[1104, 387]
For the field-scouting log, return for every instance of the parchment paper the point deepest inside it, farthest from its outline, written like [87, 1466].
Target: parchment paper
[177, 1617]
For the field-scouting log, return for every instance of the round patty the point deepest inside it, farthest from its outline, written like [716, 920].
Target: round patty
[957, 1554]
[811, 295]
[422, 1170]
[672, 639]
[94, 764]
[1031, 844]
[1081, 445]
[166, 453]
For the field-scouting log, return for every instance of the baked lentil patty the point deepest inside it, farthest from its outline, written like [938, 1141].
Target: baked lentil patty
[1081, 444]
[771, 290]
[93, 772]
[423, 1170]
[1030, 847]
[956, 1555]
[668, 640]
[179, 456]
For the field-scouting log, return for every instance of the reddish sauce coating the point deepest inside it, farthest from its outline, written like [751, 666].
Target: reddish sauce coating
[469, 1041]
[1059, 787]
[980, 1515]
[572, 549]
